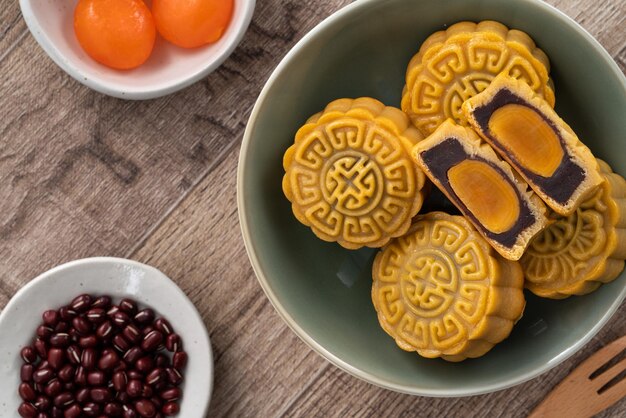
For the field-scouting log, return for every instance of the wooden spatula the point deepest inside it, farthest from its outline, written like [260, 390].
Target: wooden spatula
[593, 386]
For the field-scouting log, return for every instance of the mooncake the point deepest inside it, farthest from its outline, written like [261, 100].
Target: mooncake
[454, 65]
[577, 253]
[442, 291]
[527, 132]
[482, 187]
[349, 175]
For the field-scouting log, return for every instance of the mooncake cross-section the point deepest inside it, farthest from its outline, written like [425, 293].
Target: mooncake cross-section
[460, 62]
[579, 252]
[349, 175]
[482, 187]
[442, 291]
[525, 130]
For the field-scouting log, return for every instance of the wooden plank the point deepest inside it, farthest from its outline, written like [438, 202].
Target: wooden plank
[83, 174]
[12, 27]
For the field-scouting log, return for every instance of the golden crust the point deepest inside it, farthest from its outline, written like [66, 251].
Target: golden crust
[457, 63]
[577, 253]
[442, 291]
[349, 175]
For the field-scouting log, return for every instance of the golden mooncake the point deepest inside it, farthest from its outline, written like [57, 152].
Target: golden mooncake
[525, 130]
[442, 291]
[577, 253]
[349, 174]
[454, 65]
[482, 187]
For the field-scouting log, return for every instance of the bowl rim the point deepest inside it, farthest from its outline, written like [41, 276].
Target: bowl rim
[110, 89]
[200, 334]
[257, 264]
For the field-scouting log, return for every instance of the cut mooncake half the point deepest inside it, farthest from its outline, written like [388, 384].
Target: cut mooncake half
[442, 291]
[525, 130]
[577, 253]
[483, 187]
[349, 175]
[460, 62]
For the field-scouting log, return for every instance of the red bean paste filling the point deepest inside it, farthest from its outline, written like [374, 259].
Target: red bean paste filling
[448, 153]
[567, 177]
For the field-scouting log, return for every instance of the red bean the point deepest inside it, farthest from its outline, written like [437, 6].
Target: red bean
[28, 354]
[53, 388]
[145, 408]
[40, 348]
[163, 325]
[43, 403]
[81, 303]
[66, 373]
[134, 388]
[66, 313]
[63, 400]
[162, 360]
[80, 378]
[60, 339]
[132, 334]
[56, 358]
[121, 319]
[113, 409]
[129, 306]
[152, 341]
[120, 343]
[170, 394]
[92, 409]
[179, 360]
[102, 302]
[155, 376]
[147, 391]
[57, 412]
[42, 376]
[27, 410]
[62, 326]
[133, 354]
[129, 412]
[90, 341]
[74, 354]
[119, 381]
[50, 318]
[100, 395]
[26, 372]
[173, 343]
[144, 364]
[170, 409]
[83, 395]
[27, 392]
[44, 332]
[88, 359]
[174, 376]
[81, 325]
[96, 378]
[144, 316]
[72, 412]
[108, 360]
[135, 374]
[96, 315]
[104, 330]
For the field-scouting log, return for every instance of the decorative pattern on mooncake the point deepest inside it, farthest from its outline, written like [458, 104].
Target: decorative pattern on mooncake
[528, 133]
[456, 64]
[349, 174]
[442, 291]
[483, 187]
[577, 253]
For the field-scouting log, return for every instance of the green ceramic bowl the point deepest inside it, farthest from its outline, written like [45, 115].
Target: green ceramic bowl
[322, 290]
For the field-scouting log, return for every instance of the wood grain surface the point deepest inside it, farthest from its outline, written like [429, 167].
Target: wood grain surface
[82, 174]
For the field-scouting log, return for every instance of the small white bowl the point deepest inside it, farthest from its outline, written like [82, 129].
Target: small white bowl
[168, 69]
[117, 278]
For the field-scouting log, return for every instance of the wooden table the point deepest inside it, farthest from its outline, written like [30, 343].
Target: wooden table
[82, 174]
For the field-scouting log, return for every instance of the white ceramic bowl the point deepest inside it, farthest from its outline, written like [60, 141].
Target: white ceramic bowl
[118, 278]
[168, 69]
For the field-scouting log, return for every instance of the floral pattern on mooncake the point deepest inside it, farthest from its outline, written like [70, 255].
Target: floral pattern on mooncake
[442, 291]
[460, 62]
[349, 174]
[577, 253]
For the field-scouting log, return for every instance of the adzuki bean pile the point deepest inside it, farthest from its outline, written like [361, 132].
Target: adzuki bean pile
[92, 358]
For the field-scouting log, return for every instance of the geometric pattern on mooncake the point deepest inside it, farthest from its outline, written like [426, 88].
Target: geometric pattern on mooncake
[349, 174]
[442, 291]
[577, 253]
[483, 187]
[460, 62]
[538, 144]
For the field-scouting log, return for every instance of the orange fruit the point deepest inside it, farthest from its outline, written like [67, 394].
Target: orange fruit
[192, 23]
[117, 33]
